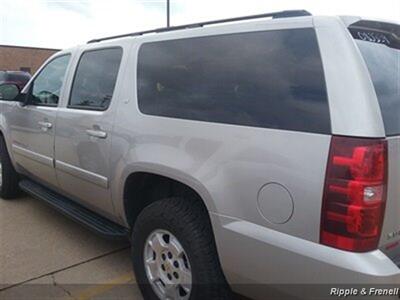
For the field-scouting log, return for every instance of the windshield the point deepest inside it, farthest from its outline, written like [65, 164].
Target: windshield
[379, 44]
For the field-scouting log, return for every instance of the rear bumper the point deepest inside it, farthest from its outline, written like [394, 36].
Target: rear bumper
[254, 257]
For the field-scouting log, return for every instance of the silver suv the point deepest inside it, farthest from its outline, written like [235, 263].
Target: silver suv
[238, 154]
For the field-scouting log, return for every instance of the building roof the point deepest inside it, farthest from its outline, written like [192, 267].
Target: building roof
[27, 47]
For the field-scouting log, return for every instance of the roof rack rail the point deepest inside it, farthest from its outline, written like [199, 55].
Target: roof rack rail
[275, 15]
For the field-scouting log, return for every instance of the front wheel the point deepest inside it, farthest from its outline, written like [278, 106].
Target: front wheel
[174, 254]
[8, 176]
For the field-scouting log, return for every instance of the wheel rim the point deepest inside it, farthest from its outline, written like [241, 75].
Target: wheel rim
[167, 266]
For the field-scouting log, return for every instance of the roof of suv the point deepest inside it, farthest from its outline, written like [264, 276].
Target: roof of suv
[274, 15]
[288, 14]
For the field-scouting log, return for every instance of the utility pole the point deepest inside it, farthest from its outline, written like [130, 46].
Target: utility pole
[167, 13]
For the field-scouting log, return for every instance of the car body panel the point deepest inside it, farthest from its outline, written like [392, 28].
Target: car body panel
[82, 160]
[352, 99]
[232, 169]
[391, 223]
[32, 144]
[30, 141]
[269, 259]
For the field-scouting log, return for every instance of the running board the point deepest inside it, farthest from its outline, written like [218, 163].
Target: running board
[75, 211]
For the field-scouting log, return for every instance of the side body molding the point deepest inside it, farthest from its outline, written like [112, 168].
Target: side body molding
[43, 159]
[83, 174]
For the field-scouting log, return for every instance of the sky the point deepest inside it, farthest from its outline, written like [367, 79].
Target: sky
[65, 23]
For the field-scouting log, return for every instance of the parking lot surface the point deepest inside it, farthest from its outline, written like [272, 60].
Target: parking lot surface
[44, 255]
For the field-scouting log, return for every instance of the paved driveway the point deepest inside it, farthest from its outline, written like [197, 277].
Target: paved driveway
[44, 255]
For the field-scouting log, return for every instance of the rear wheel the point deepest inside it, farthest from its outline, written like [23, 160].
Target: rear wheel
[8, 176]
[174, 254]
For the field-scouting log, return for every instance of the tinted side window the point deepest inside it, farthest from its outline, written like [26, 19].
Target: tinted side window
[271, 79]
[47, 85]
[95, 79]
[383, 64]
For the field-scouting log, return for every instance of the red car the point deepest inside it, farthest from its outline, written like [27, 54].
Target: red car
[17, 77]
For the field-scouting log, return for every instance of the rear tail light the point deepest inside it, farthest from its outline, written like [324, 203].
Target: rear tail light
[354, 194]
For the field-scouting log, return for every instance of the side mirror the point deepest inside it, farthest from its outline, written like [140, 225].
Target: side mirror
[9, 91]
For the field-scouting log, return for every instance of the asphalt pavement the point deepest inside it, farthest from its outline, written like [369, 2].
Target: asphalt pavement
[44, 255]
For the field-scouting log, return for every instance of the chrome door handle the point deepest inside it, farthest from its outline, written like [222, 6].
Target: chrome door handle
[45, 125]
[97, 133]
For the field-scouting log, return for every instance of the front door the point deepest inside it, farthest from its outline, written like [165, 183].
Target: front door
[83, 137]
[32, 125]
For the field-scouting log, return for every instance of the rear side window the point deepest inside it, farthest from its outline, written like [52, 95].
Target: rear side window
[379, 44]
[384, 66]
[271, 79]
[95, 79]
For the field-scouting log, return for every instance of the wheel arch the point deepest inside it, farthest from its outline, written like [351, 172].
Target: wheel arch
[145, 185]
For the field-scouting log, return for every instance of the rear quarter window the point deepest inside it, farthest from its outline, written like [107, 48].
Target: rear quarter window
[383, 64]
[379, 44]
[270, 79]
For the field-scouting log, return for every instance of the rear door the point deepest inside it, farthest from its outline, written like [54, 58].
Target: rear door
[32, 125]
[379, 44]
[83, 137]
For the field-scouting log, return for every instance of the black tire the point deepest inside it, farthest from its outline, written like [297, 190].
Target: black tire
[188, 221]
[9, 186]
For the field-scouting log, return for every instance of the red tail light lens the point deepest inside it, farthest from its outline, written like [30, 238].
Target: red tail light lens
[355, 194]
